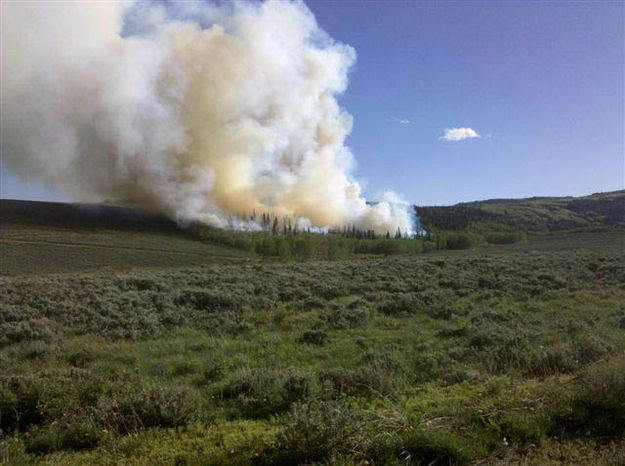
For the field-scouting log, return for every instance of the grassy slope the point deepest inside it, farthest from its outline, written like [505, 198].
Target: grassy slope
[29, 250]
[501, 354]
[42, 237]
[533, 215]
[508, 354]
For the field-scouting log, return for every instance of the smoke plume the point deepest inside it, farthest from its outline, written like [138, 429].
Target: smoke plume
[200, 111]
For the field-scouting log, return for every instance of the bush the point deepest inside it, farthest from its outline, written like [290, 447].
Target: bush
[182, 368]
[211, 373]
[210, 301]
[162, 407]
[434, 447]
[312, 303]
[505, 237]
[74, 433]
[399, 305]
[27, 330]
[452, 332]
[348, 317]
[459, 241]
[596, 406]
[314, 337]
[258, 394]
[363, 381]
[524, 428]
[38, 349]
[19, 403]
[318, 432]
[326, 290]
[429, 365]
[541, 362]
[589, 349]
[81, 358]
[12, 451]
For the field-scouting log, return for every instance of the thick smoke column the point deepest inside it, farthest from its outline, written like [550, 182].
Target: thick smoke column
[198, 110]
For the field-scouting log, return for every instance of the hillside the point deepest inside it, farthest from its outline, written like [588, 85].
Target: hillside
[50, 237]
[467, 358]
[82, 216]
[124, 340]
[531, 215]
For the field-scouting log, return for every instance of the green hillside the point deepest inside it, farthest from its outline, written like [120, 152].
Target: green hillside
[126, 340]
[490, 356]
[49, 237]
[531, 215]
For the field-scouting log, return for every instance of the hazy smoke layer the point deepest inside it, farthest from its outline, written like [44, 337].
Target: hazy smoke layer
[200, 111]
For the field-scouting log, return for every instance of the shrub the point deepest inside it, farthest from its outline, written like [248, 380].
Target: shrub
[38, 349]
[524, 428]
[366, 380]
[399, 304]
[317, 432]
[139, 284]
[74, 433]
[459, 241]
[211, 373]
[349, 317]
[81, 358]
[596, 406]
[505, 237]
[12, 451]
[452, 332]
[589, 349]
[434, 447]
[328, 290]
[312, 303]
[429, 365]
[314, 337]
[27, 330]
[162, 407]
[548, 360]
[19, 403]
[182, 368]
[258, 394]
[208, 300]
[542, 361]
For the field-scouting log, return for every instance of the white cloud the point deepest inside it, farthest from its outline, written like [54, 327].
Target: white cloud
[459, 134]
[402, 121]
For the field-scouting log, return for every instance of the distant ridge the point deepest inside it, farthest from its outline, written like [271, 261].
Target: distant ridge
[88, 216]
[534, 214]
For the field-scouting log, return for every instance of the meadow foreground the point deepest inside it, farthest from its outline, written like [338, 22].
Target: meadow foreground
[499, 355]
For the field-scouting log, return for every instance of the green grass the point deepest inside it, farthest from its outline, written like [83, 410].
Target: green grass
[506, 354]
[37, 250]
[506, 221]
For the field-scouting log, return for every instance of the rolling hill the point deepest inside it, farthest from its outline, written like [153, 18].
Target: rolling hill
[531, 215]
[50, 237]
[82, 216]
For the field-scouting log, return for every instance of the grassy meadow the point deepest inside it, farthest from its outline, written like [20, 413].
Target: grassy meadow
[504, 354]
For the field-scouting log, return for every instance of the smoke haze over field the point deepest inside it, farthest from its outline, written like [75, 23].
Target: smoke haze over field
[200, 111]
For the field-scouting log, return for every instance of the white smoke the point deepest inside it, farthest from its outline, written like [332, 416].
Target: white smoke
[201, 111]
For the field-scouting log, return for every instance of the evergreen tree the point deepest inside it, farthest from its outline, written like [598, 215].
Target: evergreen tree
[274, 228]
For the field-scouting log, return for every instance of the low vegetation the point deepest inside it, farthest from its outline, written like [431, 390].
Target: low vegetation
[510, 354]
[311, 246]
[506, 221]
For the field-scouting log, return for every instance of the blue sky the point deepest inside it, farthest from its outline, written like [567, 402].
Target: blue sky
[542, 83]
